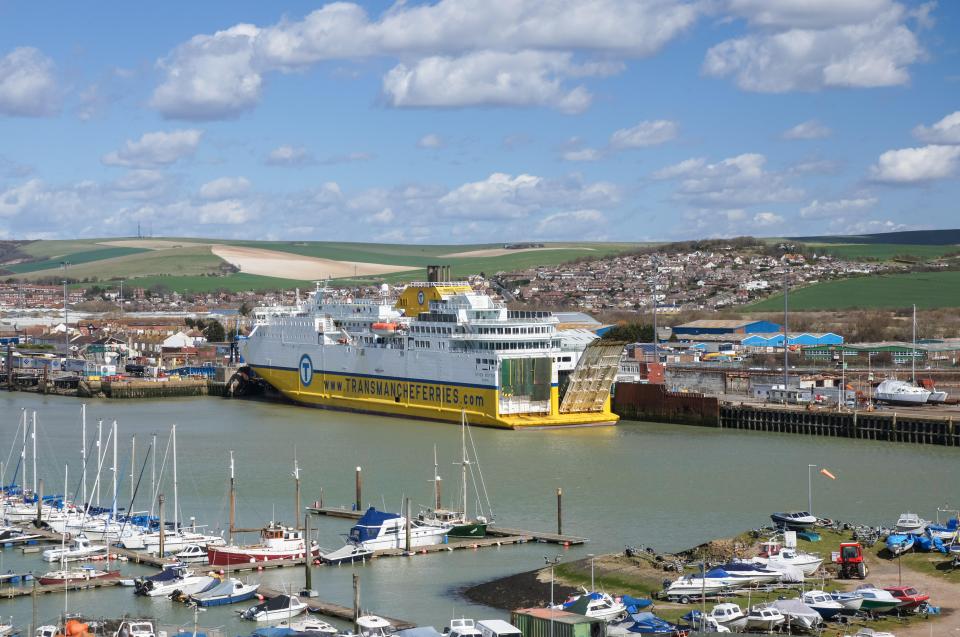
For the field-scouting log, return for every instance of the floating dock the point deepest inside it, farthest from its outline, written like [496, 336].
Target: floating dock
[329, 609]
[496, 531]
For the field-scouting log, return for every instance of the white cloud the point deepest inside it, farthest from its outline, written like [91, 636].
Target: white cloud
[765, 219]
[225, 188]
[730, 183]
[347, 158]
[804, 47]
[582, 154]
[155, 149]
[817, 209]
[28, 87]
[228, 211]
[648, 133]
[916, 165]
[566, 223]
[287, 155]
[430, 140]
[487, 78]
[810, 129]
[222, 75]
[946, 131]
[384, 216]
[138, 184]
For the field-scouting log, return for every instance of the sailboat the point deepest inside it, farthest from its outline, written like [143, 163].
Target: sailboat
[898, 392]
[462, 525]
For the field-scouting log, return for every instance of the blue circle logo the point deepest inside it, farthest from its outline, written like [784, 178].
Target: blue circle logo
[306, 370]
[420, 297]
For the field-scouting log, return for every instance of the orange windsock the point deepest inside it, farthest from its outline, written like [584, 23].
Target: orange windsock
[828, 474]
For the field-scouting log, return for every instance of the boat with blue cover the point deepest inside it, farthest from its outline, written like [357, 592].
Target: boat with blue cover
[647, 623]
[229, 591]
[899, 543]
[946, 531]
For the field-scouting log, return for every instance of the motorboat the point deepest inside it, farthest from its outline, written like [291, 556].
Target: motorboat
[277, 542]
[462, 628]
[806, 562]
[730, 616]
[765, 618]
[877, 600]
[135, 628]
[77, 575]
[946, 531]
[798, 615]
[347, 554]
[823, 603]
[689, 588]
[378, 530]
[937, 397]
[595, 604]
[899, 543]
[911, 599]
[228, 591]
[275, 609]
[793, 520]
[173, 578]
[897, 392]
[851, 602]
[750, 573]
[374, 626]
[173, 541]
[192, 554]
[646, 623]
[703, 623]
[307, 625]
[79, 549]
[911, 523]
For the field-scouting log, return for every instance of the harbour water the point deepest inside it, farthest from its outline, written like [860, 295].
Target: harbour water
[658, 485]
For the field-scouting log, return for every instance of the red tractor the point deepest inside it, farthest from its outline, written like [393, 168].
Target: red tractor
[851, 561]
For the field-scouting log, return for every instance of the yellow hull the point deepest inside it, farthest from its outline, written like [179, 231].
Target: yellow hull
[420, 399]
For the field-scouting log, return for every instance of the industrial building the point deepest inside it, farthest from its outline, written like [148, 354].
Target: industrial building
[717, 327]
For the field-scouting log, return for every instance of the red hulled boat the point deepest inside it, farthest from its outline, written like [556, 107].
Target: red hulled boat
[277, 542]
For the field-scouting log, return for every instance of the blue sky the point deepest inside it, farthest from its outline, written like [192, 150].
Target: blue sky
[478, 120]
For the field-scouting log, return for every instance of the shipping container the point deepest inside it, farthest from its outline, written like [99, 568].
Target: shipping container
[545, 622]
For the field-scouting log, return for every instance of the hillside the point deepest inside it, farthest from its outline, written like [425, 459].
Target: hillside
[906, 237]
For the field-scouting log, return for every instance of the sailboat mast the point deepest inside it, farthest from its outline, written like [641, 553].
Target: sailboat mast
[63, 539]
[23, 451]
[113, 508]
[463, 463]
[96, 485]
[133, 461]
[33, 441]
[176, 500]
[83, 447]
[913, 354]
[153, 472]
[296, 495]
[233, 498]
[436, 480]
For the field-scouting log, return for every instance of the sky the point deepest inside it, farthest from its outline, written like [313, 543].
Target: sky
[474, 121]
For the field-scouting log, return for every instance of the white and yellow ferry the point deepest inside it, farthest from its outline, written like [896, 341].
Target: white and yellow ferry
[437, 350]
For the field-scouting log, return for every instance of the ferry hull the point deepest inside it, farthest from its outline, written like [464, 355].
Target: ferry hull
[420, 399]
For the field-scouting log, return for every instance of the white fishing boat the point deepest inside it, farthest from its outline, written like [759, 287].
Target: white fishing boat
[689, 588]
[793, 519]
[729, 615]
[462, 628]
[378, 530]
[347, 554]
[851, 602]
[275, 609]
[594, 604]
[823, 603]
[192, 554]
[876, 599]
[806, 562]
[911, 523]
[765, 618]
[138, 628]
[79, 548]
[374, 626]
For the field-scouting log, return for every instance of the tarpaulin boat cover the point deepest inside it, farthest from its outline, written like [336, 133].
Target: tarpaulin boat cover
[279, 602]
[635, 604]
[218, 589]
[167, 574]
[273, 631]
[718, 573]
[650, 623]
[368, 526]
[797, 609]
[581, 605]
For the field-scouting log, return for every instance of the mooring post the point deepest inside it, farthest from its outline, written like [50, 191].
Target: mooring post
[559, 511]
[407, 514]
[321, 498]
[356, 602]
[160, 502]
[359, 489]
[39, 497]
[307, 556]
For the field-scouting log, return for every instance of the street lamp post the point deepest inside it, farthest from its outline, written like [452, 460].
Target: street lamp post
[810, 468]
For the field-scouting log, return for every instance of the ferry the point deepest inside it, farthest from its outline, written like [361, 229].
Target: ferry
[437, 351]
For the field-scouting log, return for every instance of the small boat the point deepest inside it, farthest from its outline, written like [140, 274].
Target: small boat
[381, 530]
[937, 397]
[137, 628]
[79, 549]
[809, 536]
[946, 531]
[275, 609]
[750, 573]
[598, 605]
[910, 598]
[911, 523]
[897, 392]
[765, 618]
[84, 574]
[730, 616]
[306, 625]
[851, 602]
[806, 562]
[462, 628]
[277, 542]
[798, 615]
[374, 626]
[823, 603]
[346, 554]
[689, 588]
[192, 554]
[793, 520]
[704, 623]
[877, 600]
[229, 591]
[174, 578]
[899, 543]
[647, 623]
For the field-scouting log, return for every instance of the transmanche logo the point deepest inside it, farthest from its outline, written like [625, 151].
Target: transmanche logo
[306, 370]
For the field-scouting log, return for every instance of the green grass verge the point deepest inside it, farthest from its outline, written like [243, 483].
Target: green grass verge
[74, 259]
[187, 261]
[928, 290]
[51, 249]
[239, 282]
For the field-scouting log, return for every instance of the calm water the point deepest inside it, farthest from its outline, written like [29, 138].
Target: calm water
[638, 483]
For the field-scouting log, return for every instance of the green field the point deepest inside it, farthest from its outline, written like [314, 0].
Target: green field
[188, 261]
[74, 258]
[884, 251]
[238, 282]
[928, 290]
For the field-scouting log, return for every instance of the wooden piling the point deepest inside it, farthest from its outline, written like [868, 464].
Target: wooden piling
[39, 497]
[359, 485]
[160, 501]
[559, 511]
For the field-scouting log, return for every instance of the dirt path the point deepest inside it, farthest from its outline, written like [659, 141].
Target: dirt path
[942, 593]
[293, 266]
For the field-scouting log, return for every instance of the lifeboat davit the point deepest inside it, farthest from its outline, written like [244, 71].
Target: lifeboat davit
[385, 329]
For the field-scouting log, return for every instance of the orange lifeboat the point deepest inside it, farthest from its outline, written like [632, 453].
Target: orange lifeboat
[385, 329]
